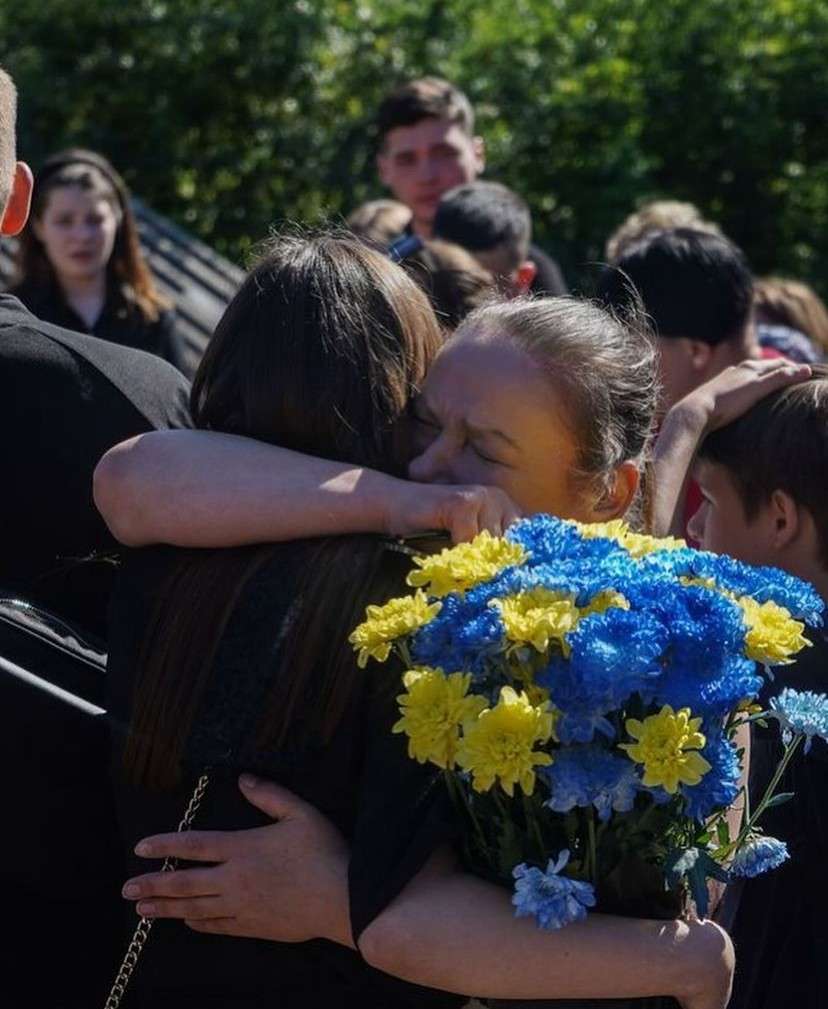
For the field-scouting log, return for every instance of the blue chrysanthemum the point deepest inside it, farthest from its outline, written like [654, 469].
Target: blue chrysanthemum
[461, 638]
[707, 690]
[590, 775]
[763, 584]
[548, 539]
[613, 655]
[758, 855]
[720, 786]
[801, 712]
[553, 900]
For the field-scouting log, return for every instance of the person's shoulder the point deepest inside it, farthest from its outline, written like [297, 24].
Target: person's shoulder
[152, 386]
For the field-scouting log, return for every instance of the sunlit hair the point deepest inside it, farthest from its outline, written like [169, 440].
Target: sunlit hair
[452, 278]
[657, 215]
[8, 149]
[379, 221]
[782, 302]
[126, 269]
[604, 366]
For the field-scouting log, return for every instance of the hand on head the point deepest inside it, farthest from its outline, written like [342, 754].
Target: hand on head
[736, 389]
[287, 882]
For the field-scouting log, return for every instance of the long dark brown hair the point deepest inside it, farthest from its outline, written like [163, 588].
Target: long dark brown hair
[321, 351]
[126, 270]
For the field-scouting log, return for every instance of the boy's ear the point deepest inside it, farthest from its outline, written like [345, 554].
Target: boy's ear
[16, 212]
[524, 275]
[700, 354]
[785, 518]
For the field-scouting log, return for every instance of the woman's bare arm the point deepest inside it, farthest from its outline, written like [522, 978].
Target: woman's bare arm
[449, 930]
[207, 489]
[458, 933]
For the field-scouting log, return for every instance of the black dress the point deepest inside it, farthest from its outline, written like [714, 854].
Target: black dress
[119, 322]
[779, 929]
[391, 809]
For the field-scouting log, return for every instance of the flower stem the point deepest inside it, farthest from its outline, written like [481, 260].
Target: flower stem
[790, 749]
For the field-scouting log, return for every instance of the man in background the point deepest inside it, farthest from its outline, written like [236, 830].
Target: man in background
[427, 146]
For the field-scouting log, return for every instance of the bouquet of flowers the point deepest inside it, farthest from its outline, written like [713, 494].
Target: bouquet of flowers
[582, 686]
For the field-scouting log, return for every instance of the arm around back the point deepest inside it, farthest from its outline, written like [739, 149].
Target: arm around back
[455, 932]
[208, 489]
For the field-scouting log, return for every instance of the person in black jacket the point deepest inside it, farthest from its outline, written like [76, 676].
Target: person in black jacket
[65, 398]
[80, 264]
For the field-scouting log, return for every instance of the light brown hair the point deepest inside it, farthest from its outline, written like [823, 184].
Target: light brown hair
[658, 215]
[791, 303]
[454, 281]
[379, 221]
[127, 269]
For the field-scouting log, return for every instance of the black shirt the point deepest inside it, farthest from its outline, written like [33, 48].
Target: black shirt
[779, 929]
[120, 321]
[549, 280]
[65, 398]
[393, 811]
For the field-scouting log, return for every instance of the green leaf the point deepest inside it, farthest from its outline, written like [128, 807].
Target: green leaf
[779, 798]
[723, 833]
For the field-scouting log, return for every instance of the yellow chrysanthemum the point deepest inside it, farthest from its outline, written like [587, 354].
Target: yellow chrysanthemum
[499, 745]
[459, 568]
[384, 624]
[538, 616]
[667, 744]
[773, 636]
[637, 544]
[433, 709]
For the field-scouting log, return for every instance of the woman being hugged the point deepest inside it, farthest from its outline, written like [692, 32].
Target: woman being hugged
[80, 264]
[247, 665]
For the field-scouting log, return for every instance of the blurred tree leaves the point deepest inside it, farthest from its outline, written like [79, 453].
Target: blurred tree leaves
[232, 116]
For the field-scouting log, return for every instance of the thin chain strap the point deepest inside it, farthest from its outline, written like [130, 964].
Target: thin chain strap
[144, 926]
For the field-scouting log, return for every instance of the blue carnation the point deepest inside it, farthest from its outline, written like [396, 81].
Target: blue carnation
[590, 775]
[801, 712]
[553, 900]
[720, 786]
[758, 855]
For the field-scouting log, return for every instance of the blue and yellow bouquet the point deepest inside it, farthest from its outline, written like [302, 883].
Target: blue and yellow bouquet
[582, 687]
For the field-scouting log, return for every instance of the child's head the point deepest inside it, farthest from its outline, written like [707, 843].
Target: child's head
[764, 478]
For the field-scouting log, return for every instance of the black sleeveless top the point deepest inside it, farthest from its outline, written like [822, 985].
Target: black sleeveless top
[392, 810]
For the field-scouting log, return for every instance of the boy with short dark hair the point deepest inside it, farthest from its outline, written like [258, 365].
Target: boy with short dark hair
[494, 224]
[697, 290]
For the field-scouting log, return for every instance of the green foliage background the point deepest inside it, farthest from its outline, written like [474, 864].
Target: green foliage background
[230, 116]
